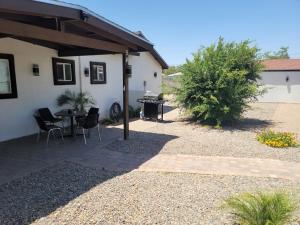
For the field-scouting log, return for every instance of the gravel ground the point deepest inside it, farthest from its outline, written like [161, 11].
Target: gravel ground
[189, 138]
[69, 193]
[183, 138]
[237, 143]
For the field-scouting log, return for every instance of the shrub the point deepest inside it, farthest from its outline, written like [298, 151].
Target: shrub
[262, 208]
[134, 113]
[277, 139]
[220, 81]
[79, 101]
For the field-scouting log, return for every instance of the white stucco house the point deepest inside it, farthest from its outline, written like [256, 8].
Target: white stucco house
[146, 76]
[47, 47]
[281, 77]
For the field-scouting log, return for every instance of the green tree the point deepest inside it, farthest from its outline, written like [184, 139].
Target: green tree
[220, 81]
[283, 53]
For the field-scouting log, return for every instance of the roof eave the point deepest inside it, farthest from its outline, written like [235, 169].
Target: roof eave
[57, 9]
[159, 59]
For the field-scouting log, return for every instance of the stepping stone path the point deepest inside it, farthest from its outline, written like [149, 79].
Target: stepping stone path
[223, 166]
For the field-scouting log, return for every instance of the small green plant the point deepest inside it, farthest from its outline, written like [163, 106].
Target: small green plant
[78, 101]
[277, 139]
[275, 208]
[134, 113]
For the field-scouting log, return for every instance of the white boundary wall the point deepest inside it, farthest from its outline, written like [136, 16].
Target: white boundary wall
[278, 89]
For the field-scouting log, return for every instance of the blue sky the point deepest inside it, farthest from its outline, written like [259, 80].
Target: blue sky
[180, 27]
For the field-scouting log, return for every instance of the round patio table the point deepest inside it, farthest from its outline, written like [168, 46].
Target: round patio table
[70, 114]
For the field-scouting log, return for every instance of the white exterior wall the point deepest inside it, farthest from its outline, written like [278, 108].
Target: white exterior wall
[278, 90]
[105, 94]
[143, 69]
[16, 115]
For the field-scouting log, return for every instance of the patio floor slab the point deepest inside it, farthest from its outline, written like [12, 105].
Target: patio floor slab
[223, 166]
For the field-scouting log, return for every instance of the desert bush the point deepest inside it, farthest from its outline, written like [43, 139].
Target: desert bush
[134, 112]
[220, 81]
[277, 139]
[262, 208]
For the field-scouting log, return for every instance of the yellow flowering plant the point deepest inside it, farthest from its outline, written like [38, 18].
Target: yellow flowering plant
[277, 139]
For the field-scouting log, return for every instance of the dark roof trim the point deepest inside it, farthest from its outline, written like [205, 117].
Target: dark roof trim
[138, 35]
[29, 31]
[79, 7]
[154, 53]
[69, 11]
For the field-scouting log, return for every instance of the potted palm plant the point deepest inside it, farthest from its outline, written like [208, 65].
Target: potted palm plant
[78, 101]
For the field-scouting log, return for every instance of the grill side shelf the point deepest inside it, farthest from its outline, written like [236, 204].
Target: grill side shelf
[141, 100]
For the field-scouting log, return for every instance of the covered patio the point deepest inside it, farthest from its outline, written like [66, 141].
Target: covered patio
[71, 31]
[38, 179]
[53, 175]
[20, 157]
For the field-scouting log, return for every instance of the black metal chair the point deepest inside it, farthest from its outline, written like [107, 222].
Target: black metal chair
[81, 119]
[90, 121]
[49, 128]
[47, 116]
[93, 110]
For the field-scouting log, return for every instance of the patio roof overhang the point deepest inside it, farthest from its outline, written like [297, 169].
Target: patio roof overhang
[72, 31]
[102, 35]
[66, 28]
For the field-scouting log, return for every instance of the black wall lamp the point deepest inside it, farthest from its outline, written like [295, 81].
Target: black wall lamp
[287, 79]
[129, 70]
[155, 74]
[86, 72]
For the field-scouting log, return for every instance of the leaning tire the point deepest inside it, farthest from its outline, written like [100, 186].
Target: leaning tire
[115, 112]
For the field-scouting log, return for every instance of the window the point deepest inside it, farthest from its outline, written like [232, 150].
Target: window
[8, 85]
[98, 73]
[63, 71]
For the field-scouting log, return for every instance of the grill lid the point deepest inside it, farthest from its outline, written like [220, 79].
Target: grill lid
[153, 96]
[150, 95]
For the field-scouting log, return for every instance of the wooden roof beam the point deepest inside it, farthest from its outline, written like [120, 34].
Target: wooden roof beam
[134, 53]
[102, 33]
[81, 52]
[39, 33]
[35, 8]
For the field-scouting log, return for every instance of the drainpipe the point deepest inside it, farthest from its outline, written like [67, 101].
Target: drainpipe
[80, 75]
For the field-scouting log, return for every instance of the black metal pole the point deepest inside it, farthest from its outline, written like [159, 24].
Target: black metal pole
[125, 97]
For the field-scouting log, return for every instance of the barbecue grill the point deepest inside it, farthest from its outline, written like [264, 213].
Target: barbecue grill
[153, 105]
